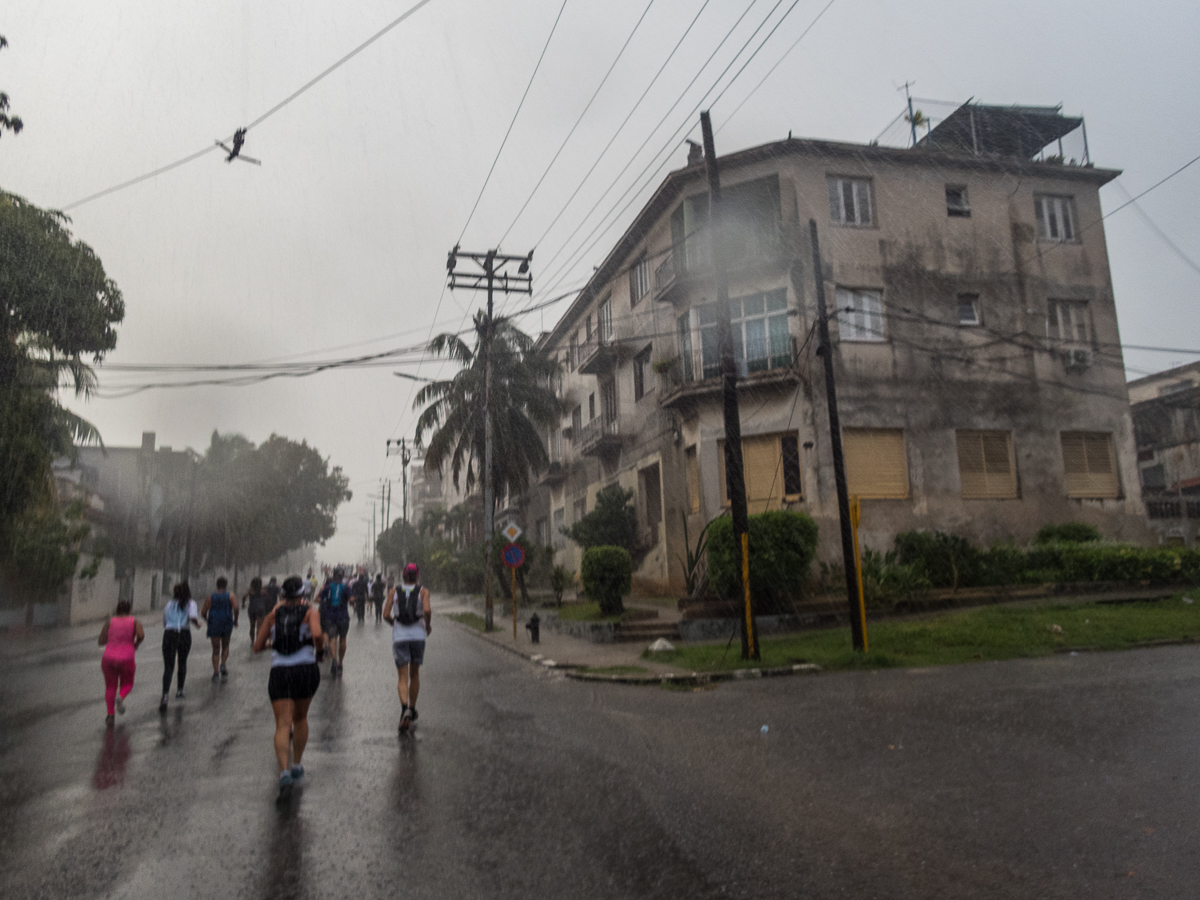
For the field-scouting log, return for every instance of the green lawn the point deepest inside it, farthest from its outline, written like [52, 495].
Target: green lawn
[584, 612]
[995, 632]
[475, 620]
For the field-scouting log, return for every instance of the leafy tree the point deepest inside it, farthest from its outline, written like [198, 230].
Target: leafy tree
[57, 306]
[606, 575]
[782, 546]
[612, 523]
[12, 123]
[523, 405]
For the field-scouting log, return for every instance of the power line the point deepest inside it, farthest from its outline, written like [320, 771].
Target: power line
[270, 112]
[1137, 207]
[588, 106]
[533, 75]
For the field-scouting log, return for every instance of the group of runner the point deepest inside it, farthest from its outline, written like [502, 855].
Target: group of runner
[299, 633]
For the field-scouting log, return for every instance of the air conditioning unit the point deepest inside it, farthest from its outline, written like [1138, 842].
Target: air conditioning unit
[1077, 358]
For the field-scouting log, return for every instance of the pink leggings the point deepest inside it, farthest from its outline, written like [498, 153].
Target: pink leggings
[117, 671]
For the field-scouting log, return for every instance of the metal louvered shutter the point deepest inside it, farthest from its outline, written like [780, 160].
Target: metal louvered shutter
[985, 463]
[876, 463]
[1089, 464]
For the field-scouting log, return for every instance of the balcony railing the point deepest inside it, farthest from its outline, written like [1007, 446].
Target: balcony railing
[599, 354]
[600, 435]
[694, 257]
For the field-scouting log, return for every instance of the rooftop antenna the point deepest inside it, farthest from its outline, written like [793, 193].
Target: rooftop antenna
[912, 119]
[235, 152]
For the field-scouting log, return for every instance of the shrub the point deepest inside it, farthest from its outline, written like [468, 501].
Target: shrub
[886, 583]
[782, 547]
[613, 523]
[560, 578]
[1001, 564]
[947, 560]
[606, 574]
[1067, 533]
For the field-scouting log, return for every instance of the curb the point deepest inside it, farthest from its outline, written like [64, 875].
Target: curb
[692, 678]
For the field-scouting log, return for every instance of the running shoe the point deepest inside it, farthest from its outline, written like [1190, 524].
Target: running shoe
[224, 671]
[413, 712]
[121, 705]
[285, 780]
[179, 694]
[405, 720]
[109, 719]
[297, 773]
[216, 678]
[162, 706]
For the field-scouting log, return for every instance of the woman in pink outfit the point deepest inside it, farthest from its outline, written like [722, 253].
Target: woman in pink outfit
[120, 637]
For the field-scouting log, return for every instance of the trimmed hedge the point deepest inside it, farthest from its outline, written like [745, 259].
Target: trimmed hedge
[950, 561]
[782, 547]
[606, 574]
[1068, 533]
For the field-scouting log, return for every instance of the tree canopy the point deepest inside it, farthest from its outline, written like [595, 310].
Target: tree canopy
[613, 523]
[523, 406]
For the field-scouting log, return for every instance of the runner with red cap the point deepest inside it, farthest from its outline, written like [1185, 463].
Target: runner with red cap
[407, 611]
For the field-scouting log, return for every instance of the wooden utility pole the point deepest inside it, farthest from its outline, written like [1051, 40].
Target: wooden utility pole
[491, 263]
[825, 351]
[734, 475]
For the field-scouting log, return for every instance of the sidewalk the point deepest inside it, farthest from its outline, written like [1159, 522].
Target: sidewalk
[587, 661]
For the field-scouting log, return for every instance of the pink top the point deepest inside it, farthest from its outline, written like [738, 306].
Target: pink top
[121, 633]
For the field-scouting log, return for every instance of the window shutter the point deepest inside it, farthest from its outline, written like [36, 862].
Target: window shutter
[876, 462]
[862, 205]
[764, 480]
[693, 480]
[985, 465]
[835, 199]
[1089, 465]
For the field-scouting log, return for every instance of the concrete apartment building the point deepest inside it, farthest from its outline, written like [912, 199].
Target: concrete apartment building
[976, 352]
[1166, 423]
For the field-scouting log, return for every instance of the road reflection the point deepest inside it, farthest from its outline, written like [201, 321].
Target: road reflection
[114, 757]
[286, 844]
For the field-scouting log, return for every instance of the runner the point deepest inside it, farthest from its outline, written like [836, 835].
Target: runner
[405, 609]
[259, 605]
[294, 630]
[359, 591]
[272, 592]
[378, 594]
[120, 637]
[221, 613]
[179, 617]
[335, 618]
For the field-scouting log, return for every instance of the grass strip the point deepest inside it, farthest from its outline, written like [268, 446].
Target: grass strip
[614, 670]
[474, 620]
[987, 633]
[584, 612]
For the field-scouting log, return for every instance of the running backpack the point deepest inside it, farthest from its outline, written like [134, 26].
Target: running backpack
[288, 619]
[408, 609]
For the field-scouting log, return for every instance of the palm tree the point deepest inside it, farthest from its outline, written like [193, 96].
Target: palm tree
[523, 407]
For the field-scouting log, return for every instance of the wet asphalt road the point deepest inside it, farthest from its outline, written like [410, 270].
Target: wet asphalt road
[1067, 777]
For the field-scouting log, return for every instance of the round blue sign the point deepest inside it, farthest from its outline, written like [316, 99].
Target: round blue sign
[513, 555]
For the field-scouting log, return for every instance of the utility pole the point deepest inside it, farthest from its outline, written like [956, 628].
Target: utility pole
[371, 533]
[405, 452]
[734, 474]
[491, 263]
[912, 121]
[825, 351]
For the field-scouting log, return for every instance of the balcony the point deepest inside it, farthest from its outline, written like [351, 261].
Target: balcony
[600, 355]
[682, 389]
[684, 266]
[600, 437]
[554, 475]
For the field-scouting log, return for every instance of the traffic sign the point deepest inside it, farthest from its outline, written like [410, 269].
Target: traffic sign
[511, 531]
[513, 555]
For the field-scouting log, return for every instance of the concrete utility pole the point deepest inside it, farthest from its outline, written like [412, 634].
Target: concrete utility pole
[491, 263]
[405, 453]
[825, 351]
[734, 474]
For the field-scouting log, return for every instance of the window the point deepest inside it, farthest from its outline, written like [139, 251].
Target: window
[580, 508]
[683, 327]
[750, 214]
[608, 400]
[860, 315]
[772, 466]
[1177, 387]
[691, 247]
[554, 446]
[540, 530]
[642, 380]
[1089, 465]
[589, 331]
[604, 321]
[850, 201]
[876, 463]
[573, 352]
[693, 480]
[591, 406]
[986, 465]
[760, 334]
[957, 203]
[576, 423]
[1055, 217]
[639, 280]
[650, 485]
[1067, 321]
[1154, 478]
[968, 309]
[560, 522]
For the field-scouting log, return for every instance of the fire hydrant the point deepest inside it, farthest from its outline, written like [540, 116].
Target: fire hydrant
[534, 626]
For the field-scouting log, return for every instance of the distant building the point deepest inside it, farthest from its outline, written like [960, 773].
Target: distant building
[1166, 422]
[976, 350]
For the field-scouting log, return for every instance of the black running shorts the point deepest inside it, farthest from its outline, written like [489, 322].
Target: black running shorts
[294, 682]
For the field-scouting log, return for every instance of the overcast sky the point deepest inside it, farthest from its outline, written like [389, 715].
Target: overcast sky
[367, 179]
